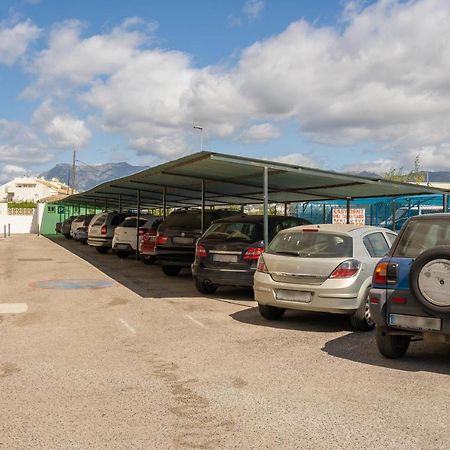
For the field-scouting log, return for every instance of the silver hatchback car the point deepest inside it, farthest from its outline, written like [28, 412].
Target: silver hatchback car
[326, 268]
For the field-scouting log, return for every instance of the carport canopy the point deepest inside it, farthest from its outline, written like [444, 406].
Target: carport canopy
[213, 179]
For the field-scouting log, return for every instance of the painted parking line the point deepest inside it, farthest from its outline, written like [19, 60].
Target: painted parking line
[197, 322]
[127, 326]
[13, 308]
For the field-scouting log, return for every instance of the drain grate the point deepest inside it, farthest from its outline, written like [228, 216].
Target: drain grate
[34, 259]
[74, 284]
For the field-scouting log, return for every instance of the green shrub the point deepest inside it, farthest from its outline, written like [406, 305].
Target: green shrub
[21, 205]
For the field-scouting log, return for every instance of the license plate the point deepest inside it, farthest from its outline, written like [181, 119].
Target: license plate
[415, 322]
[122, 246]
[225, 258]
[293, 296]
[183, 240]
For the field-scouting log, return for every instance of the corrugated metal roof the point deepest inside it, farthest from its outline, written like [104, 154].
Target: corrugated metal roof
[237, 180]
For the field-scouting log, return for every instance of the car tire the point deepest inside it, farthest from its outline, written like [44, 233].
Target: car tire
[392, 345]
[102, 250]
[67, 236]
[438, 253]
[121, 254]
[271, 312]
[148, 259]
[171, 271]
[361, 319]
[205, 288]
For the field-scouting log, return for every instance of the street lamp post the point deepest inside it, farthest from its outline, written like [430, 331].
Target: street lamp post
[196, 127]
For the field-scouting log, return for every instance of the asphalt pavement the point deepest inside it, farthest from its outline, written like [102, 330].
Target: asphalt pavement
[98, 352]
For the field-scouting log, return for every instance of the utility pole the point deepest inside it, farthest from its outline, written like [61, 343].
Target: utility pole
[74, 168]
[196, 127]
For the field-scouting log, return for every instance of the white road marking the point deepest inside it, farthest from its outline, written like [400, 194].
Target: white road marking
[13, 308]
[196, 322]
[126, 325]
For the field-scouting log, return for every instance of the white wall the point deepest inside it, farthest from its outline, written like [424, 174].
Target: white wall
[18, 224]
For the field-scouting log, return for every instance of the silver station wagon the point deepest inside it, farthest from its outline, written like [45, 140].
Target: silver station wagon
[325, 268]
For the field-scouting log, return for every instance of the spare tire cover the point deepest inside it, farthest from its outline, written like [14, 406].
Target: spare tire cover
[430, 278]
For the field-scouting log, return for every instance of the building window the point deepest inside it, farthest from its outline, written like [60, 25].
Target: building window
[51, 209]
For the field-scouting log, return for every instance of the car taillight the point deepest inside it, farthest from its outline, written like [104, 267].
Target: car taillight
[347, 269]
[261, 266]
[201, 252]
[161, 239]
[152, 232]
[253, 253]
[380, 273]
[142, 231]
[104, 229]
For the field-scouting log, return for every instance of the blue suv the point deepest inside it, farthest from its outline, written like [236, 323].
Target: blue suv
[410, 294]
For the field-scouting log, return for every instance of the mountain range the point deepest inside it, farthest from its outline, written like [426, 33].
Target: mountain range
[88, 177]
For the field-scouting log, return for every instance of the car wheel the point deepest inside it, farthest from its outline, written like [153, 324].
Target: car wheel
[205, 287]
[392, 345]
[122, 254]
[361, 319]
[148, 259]
[171, 271]
[271, 312]
[102, 250]
[430, 278]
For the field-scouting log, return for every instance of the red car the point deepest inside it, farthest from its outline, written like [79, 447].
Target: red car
[147, 245]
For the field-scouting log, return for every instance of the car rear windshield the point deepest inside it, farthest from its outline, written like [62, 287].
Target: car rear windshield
[243, 231]
[421, 235]
[312, 245]
[132, 222]
[190, 221]
[100, 220]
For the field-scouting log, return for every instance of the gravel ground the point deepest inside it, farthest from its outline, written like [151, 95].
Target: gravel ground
[143, 361]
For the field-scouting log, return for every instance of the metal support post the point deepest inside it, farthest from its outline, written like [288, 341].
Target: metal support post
[348, 210]
[120, 203]
[324, 213]
[164, 203]
[4, 231]
[285, 209]
[445, 203]
[266, 207]
[394, 206]
[203, 207]
[138, 217]
[9, 229]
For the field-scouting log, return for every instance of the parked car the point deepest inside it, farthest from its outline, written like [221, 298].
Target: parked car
[79, 222]
[81, 232]
[177, 235]
[66, 226]
[147, 246]
[325, 268]
[101, 230]
[125, 235]
[226, 255]
[409, 296]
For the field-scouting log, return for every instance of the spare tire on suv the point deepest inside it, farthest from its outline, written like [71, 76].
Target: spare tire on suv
[430, 278]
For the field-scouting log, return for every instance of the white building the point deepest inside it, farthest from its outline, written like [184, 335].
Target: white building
[31, 189]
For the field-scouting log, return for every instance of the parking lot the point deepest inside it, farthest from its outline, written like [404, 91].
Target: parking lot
[111, 353]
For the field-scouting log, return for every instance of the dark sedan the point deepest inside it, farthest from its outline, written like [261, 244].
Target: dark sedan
[228, 252]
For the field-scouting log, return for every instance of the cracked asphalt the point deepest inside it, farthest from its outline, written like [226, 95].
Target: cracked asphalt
[112, 353]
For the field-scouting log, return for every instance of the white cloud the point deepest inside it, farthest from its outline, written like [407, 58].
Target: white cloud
[62, 130]
[253, 8]
[382, 79]
[299, 159]
[260, 133]
[15, 39]
[72, 59]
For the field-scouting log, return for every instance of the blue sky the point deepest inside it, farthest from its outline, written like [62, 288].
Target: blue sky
[343, 85]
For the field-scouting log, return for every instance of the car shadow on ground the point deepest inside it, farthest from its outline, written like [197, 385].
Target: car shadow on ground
[421, 356]
[145, 280]
[296, 320]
